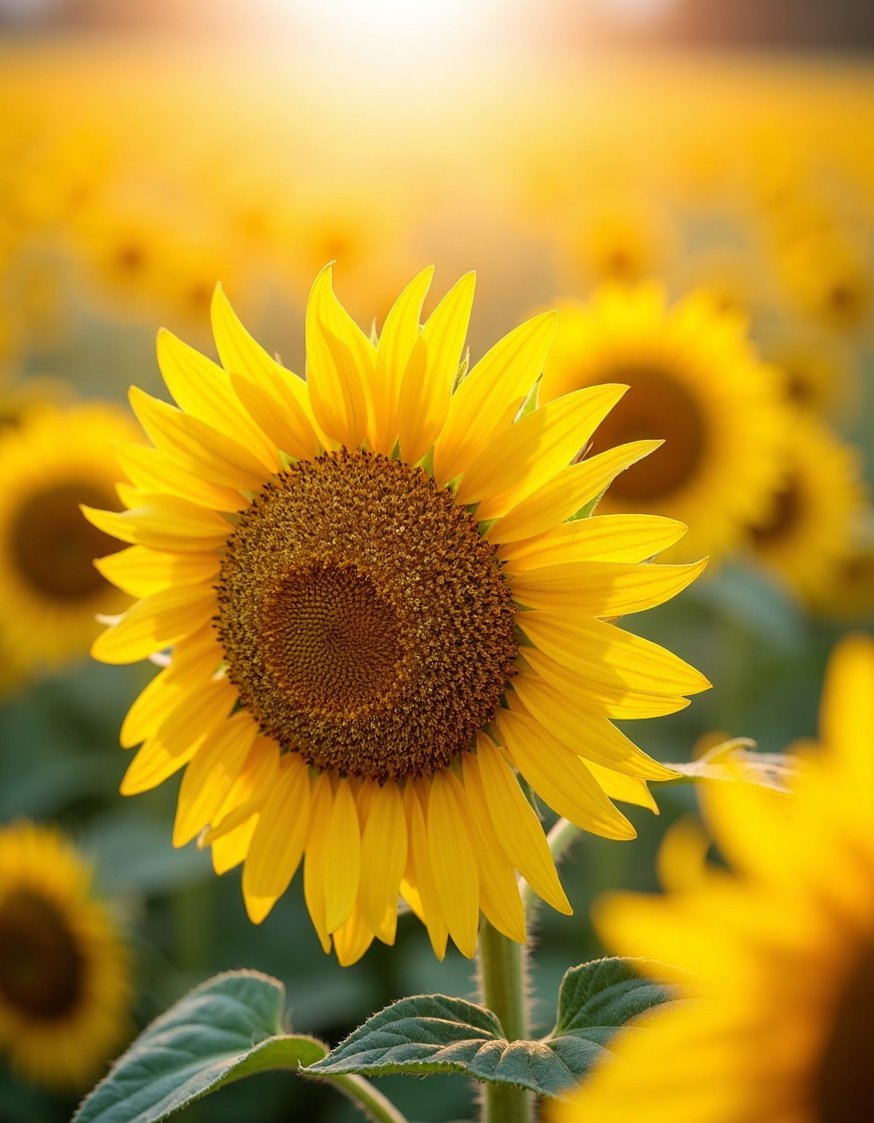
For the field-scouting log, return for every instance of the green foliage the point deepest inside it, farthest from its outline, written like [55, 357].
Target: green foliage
[228, 1028]
[434, 1033]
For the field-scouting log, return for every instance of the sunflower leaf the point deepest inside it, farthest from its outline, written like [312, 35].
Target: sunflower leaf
[225, 1029]
[434, 1033]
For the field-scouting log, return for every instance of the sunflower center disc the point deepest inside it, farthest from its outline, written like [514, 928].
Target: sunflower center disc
[364, 618]
[40, 966]
[656, 406]
[844, 1090]
[54, 547]
[784, 516]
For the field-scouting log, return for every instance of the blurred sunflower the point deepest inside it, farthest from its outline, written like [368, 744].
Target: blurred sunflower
[64, 972]
[829, 279]
[817, 373]
[814, 513]
[620, 241]
[21, 398]
[849, 591]
[779, 1031]
[695, 381]
[377, 607]
[56, 459]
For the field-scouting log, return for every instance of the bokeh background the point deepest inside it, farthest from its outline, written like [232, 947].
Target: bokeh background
[148, 150]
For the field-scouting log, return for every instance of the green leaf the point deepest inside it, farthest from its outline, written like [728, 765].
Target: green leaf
[225, 1029]
[735, 761]
[434, 1033]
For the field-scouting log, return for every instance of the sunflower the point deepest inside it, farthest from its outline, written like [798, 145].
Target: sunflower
[811, 526]
[783, 950]
[378, 609]
[828, 279]
[695, 381]
[622, 241]
[54, 460]
[849, 592]
[64, 972]
[816, 371]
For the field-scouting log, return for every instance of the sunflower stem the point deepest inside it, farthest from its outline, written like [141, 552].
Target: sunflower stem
[502, 977]
[363, 1094]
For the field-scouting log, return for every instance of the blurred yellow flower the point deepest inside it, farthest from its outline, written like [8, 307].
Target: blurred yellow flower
[816, 371]
[814, 514]
[621, 241]
[65, 986]
[829, 279]
[695, 381]
[783, 950]
[344, 568]
[849, 591]
[56, 459]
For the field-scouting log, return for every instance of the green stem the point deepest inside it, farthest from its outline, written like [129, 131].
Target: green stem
[502, 965]
[363, 1094]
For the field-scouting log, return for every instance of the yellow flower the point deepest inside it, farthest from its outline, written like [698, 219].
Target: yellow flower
[829, 279]
[377, 607]
[811, 526]
[54, 460]
[779, 1031]
[695, 381]
[621, 240]
[817, 373]
[64, 972]
[849, 592]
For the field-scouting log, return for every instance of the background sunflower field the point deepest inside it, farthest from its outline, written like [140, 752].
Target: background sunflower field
[691, 184]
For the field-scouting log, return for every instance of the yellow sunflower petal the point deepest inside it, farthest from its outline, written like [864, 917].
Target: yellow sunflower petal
[558, 775]
[499, 890]
[203, 390]
[153, 471]
[396, 341]
[419, 876]
[279, 838]
[352, 939]
[614, 699]
[164, 522]
[584, 730]
[231, 849]
[496, 790]
[342, 857]
[140, 571]
[531, 452]
[432, 369]
[321, 803]
[246, 795]
[604, 538]
[847, 708]
[340, 361]
[204, 451]
[209, 776]
[590, 588]
[179, 736]
[491, 395]
[383, 854]
[150, 708]
[453, 861]
[568, 492]
[155, 622]
[604, 653]
[626, 789]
